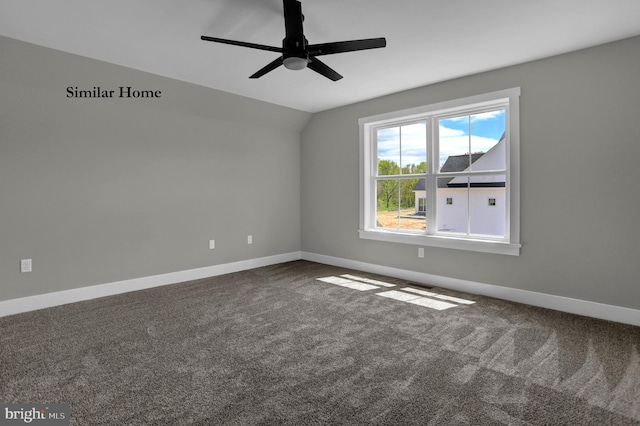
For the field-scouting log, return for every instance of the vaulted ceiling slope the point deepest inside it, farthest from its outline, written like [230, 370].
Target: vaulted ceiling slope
[427, 41]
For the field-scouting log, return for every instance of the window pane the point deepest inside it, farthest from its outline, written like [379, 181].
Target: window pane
[453, 144]
[487, 205]
[410, 216]
[487, 140]
[414, 148]
[452, 204]
[387, 196]
[396, 204]
[388, 151]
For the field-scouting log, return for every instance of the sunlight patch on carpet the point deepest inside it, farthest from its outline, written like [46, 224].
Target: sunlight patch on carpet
[417, 300]
[433, 304]
[367, 280]
[440, 296]
[426, 299]
[398, 295]
[343, 282]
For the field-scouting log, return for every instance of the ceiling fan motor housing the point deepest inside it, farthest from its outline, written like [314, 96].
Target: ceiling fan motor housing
[295, 55]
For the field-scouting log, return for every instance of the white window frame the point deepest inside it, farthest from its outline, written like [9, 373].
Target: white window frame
[510, 244]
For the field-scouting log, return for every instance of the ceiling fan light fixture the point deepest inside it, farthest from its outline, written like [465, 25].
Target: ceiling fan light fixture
[295, 63]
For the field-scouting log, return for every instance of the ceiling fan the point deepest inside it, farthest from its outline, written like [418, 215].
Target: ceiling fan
[296, 51]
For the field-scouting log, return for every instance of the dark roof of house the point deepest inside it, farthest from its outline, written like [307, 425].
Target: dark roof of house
[419, 186]
[457, 163]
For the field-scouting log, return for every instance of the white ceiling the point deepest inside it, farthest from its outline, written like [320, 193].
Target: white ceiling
[427, 40]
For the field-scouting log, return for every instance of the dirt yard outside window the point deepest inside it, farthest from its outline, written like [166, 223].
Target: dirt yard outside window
[389, 219]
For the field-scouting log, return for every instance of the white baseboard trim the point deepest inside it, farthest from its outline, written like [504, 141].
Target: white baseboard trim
[558, 303]
[41, 301]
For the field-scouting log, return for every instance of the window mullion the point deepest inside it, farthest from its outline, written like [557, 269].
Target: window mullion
[469, 202]
[430, 177]
[398, 193]
[373, 182]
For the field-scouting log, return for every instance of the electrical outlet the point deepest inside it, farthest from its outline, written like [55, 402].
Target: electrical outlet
[250, 239]
[26, 265]
[212, 244]
[420, 252]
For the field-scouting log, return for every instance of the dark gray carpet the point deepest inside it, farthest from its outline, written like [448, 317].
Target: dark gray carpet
[276, 346]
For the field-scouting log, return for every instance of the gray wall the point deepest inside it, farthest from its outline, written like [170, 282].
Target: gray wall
[580, 209]
[99, 190]
[102, 190]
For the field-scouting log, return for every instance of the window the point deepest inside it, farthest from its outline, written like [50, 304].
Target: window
[422, 205]
[414, 163]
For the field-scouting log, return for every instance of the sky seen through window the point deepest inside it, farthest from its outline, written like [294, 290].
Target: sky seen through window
[406, 145]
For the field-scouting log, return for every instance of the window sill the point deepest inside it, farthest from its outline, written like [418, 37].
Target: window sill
[484, 246]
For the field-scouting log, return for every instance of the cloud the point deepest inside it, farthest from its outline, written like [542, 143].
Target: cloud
[458, 145]
[411, 137]
[454, 139]
[447, 132]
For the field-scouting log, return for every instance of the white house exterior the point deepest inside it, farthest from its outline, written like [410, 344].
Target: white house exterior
[474, 205]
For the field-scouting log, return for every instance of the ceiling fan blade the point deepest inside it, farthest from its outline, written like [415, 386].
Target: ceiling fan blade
[346, 46]
[293, 19]
[242, 43]
[321, 68]
[270, 67]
